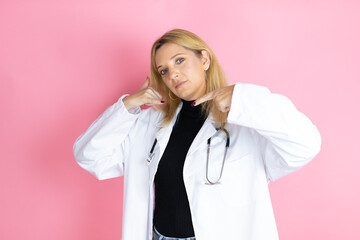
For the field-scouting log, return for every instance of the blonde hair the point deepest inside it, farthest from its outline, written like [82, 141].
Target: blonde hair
[215, 76]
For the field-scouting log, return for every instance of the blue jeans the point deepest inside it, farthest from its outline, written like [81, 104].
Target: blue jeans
[158, 236]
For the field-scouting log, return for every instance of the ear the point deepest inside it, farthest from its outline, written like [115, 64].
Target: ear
[205, 59]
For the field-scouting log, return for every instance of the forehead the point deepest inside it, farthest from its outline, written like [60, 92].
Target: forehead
[166, 51]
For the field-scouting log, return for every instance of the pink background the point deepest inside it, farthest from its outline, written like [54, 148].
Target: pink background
[63, 63]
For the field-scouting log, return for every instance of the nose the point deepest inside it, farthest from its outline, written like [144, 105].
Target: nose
[174, 74]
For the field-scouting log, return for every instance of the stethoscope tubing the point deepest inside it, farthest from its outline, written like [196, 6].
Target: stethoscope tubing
[223, 163]
[151, 155]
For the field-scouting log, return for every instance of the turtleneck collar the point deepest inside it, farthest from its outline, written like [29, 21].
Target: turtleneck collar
[190, 111]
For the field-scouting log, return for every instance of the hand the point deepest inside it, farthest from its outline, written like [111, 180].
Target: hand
[221, 96]
[146, 95]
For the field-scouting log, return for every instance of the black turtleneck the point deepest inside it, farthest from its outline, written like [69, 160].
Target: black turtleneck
[172, 217]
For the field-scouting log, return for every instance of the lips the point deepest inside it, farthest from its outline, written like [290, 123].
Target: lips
[179, 84]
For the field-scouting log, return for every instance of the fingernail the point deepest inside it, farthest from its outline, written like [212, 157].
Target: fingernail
[162, 101]
[193, 103]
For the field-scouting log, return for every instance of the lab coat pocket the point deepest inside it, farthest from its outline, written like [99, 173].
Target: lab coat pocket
[237, 181]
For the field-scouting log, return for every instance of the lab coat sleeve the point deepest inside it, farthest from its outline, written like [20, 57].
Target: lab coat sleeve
[102, 148]
[287, 139]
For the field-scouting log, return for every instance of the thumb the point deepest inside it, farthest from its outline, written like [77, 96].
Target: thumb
[146, 84]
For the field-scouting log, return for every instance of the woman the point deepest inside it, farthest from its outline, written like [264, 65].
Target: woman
[197, 164]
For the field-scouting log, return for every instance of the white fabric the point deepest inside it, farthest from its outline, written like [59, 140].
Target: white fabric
[270, 138]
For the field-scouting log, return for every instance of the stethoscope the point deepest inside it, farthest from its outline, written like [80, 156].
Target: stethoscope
[151, 155]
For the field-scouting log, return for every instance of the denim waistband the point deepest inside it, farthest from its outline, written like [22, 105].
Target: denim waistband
[159, 236]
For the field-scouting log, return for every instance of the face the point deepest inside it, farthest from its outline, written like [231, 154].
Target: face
[182, 71]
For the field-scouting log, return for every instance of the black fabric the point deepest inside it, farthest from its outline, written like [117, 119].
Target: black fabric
[172, 215]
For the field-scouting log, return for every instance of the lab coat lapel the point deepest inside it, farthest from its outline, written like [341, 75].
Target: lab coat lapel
[163, 134]
[206, 131]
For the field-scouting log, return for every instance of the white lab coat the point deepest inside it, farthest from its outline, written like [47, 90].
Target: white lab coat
[270, 138]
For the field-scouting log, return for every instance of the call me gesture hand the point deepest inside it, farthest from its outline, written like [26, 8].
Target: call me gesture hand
[221, 96]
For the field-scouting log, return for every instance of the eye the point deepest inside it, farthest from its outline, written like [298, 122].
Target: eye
[177, 60]
[180, 59]
[162, 72]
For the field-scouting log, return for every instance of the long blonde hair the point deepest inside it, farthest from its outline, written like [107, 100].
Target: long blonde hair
[215, 76]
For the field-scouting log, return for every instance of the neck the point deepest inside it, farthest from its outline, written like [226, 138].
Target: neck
[190, 111]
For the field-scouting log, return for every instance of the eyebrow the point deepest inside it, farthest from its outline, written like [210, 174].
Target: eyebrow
[171, 58]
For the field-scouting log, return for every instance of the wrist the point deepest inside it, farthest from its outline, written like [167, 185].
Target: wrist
[129, 103]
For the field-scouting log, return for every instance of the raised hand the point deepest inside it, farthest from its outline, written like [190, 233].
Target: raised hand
[145, 96]
[221, 96]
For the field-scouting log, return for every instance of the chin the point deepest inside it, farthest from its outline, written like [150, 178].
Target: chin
[187, 98]
[184, 94]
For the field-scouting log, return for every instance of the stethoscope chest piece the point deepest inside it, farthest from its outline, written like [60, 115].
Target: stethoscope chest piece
[149, 159]
[151, 154]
